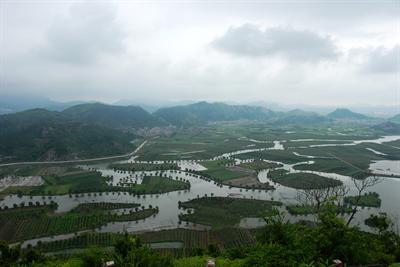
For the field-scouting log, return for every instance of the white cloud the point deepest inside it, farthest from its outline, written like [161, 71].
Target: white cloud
[87, 34]
[383, 60]
[250, 40]
[162, 51]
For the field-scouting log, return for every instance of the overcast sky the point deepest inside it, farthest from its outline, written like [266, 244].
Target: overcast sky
[310, 52]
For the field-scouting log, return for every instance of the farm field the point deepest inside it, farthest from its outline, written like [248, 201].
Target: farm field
[234, 185]
[17, 224]
[218, 171]
[220, 212]
[77, 182]
[259, 165]
[157, 184]
[302, 180]
[285, 156]
[143, 166]
[201, 143]
[193, 241]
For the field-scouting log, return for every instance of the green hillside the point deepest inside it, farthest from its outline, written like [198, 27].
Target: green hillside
[204, 112]
[346, 114]
[46, 135]
[112, 116]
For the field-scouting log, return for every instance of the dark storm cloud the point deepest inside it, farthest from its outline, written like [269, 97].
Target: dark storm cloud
[88, 33]
[250, 40]
[382, 60]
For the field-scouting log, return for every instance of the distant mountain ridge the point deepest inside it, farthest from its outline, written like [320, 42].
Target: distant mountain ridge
[298, 116]
[113, 116]
[395, 118]
[12, 104]
[96, 129]
[346, 114]
[203, 112]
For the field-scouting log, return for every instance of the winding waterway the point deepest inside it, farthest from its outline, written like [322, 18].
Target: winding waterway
[168, 216]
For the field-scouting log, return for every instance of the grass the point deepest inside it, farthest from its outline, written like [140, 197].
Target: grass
[221, 212]
[370, 199]
[302, 180]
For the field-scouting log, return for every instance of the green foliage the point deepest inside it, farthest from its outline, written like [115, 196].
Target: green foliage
[308, 209]
[112, 116]
[200, 261]
[45, 135]
[380, 222]
[203, 112]
[370, 199]
[285, 244]
[130, 252]
[346, 114]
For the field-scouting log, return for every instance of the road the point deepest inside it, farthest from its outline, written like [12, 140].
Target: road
[76, 160]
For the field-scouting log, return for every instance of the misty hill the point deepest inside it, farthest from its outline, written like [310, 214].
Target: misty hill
[388, 127]
[346, 114]
[12, 104]
[299, 116]
[204, 112]
[48, 135]
[113, 116]
[395, 118]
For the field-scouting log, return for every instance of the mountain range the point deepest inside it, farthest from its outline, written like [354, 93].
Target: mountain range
[96, 129]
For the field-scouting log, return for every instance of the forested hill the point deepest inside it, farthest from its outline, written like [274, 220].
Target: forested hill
[113, 116]
[204, 112]
[48, 135]
[395, 118]
[346, 114]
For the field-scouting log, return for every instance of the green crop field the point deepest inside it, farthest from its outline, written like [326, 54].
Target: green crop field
[79, 182]
[17, 224]
[302, 180]
[217, 171]
[259, 165]
[220, 212]
[143, 166]
[157, 185]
